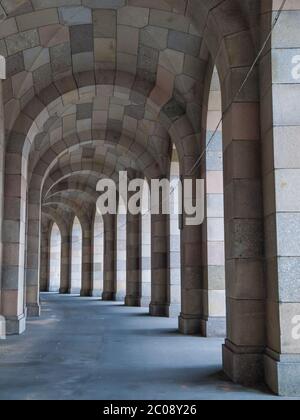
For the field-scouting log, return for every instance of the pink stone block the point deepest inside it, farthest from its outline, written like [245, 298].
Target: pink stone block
[54, 35]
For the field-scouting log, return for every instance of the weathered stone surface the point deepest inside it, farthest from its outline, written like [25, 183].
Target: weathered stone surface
[81, 38]
[104, 22]
[186, 43]
[75, 15]
[36, 57]
[60, 57]
[22, 41]
[15, 64]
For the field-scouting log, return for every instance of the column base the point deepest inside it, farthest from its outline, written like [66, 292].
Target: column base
[282, 374]
[109, 296]
[133, 301]
[189, 325]
[15, 325]
[64, 291]
[213, 327]
[243, 365]
[86, 293]
[159, 310]
[33, 310]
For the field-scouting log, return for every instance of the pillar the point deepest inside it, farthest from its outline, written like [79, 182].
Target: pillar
[133, 262]
[281, 170]
[2, 162]
[110, 280]
[13, 233]
[33, 256]
[45, 256]
[160, 276]
[191, 285]
[244, 251]
[87, 261]
[66, 260]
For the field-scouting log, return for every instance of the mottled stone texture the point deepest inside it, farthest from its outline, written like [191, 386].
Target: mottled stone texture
[45, 257]
[87, 262]
[191, 304]
[12, 305]
[2, 155]
[109, 286]
[134, 285]
[281, 170]
[160, 280]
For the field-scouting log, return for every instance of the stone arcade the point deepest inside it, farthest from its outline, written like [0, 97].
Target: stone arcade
[90, 88]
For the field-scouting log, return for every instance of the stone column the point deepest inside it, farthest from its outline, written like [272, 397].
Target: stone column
[244, 251]
[87, 261]
[160, 276]
[2, 162]
[45, 256]
[13, 234]
[66, 260]
[133, 263]
[191, 293]
[280, 88]
[110, 279]
[33, 257]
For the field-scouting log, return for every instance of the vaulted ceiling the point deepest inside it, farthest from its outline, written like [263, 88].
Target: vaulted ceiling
[125, 71]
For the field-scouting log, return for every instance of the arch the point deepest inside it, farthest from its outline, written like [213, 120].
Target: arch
[55, 259]
[64, 220]
[214, 306]
[175, 238]
[76, 259]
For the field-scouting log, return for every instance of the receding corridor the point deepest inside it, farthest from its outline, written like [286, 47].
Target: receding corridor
[81, 348]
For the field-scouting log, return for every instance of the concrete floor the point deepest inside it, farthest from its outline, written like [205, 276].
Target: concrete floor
[82, 348]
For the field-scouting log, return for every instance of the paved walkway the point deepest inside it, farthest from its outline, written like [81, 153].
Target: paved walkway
[82, 348]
